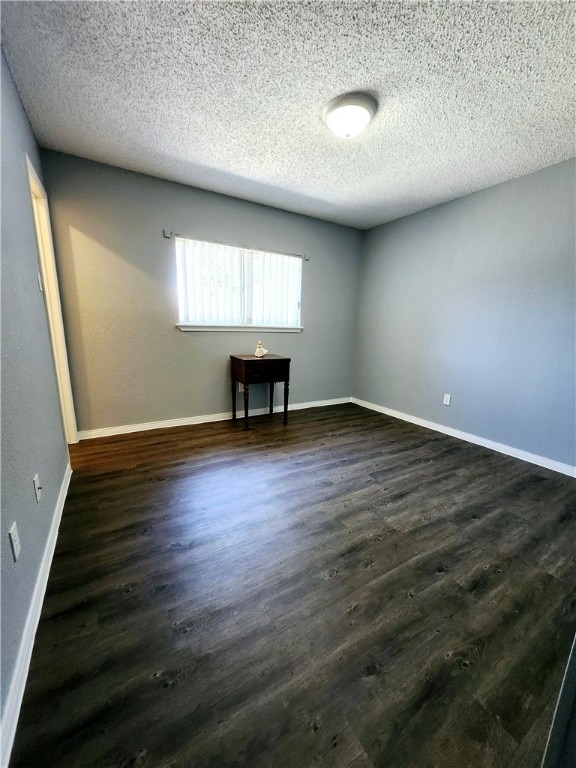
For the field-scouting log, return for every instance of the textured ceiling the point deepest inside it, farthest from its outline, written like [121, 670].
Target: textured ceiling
[228, 95]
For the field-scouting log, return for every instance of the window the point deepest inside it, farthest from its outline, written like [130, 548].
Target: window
[223, 286]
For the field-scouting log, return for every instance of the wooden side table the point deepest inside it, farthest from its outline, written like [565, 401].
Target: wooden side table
[249, 369]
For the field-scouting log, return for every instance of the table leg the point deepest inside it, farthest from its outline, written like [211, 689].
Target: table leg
[246, 401]
[233, 400]
[271, 408]
[286, 388]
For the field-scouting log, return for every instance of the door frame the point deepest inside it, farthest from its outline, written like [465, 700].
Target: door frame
[51, 292]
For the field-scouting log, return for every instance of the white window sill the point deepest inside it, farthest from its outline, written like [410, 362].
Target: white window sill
[237, 328]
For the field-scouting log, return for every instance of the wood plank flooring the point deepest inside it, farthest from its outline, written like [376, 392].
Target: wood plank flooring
[348, 591]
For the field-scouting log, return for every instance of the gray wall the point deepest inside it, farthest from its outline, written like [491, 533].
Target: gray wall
[476, 298]
[32, 435]
[129, 363]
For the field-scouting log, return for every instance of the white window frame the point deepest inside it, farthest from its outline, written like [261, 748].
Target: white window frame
[246, 289]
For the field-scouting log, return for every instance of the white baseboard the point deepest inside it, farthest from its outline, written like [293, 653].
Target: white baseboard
[125, 429]
[508, 450]
[311, 404]
[18, 682]
[531, 458]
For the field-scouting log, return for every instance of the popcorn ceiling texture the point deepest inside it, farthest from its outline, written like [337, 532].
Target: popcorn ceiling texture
[228, 96]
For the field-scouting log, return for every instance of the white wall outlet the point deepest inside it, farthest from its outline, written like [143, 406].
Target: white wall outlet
[37, 488]
[14, 540]
[447, 399]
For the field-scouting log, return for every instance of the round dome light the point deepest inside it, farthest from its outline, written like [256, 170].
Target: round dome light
[348, 115]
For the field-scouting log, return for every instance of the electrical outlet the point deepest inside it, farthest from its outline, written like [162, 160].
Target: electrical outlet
[37, 488]
[14, 540]
[447, 399]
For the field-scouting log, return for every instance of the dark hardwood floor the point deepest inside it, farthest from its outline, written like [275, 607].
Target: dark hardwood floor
[349, 591]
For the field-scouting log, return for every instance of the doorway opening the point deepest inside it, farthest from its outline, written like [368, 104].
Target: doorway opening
[48, 283]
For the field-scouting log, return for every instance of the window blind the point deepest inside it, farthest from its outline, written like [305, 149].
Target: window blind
[224, 285]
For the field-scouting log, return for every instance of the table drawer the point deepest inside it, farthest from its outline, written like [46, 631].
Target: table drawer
[257, 372]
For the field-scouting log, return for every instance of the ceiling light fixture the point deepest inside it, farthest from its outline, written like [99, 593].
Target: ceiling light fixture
[348, 115]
